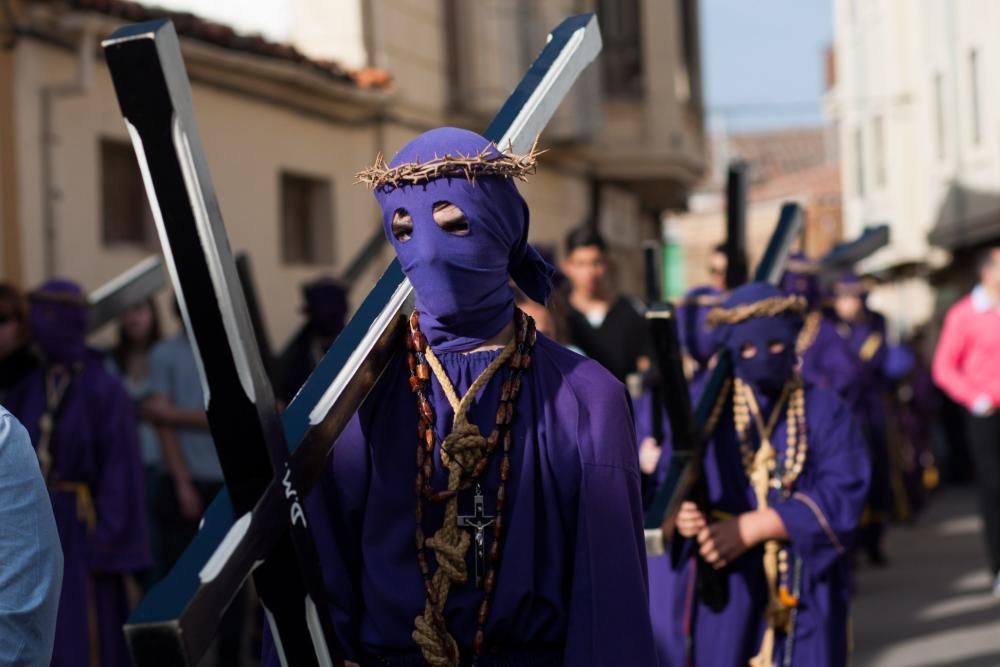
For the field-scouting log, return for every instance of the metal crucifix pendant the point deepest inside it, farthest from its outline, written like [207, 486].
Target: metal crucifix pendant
[477, 523]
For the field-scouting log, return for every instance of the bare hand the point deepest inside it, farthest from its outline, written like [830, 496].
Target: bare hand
[649, 455]
[690, 520]
[156, 409]
[723, 542]
[188, 501]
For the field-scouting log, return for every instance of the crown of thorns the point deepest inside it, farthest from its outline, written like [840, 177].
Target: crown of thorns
[771, 307]
[485, 163]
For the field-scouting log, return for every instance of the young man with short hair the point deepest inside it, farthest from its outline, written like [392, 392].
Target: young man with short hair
[602, 323]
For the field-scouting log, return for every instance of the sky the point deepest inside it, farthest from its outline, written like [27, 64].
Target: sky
[762, 62]
[267, 18]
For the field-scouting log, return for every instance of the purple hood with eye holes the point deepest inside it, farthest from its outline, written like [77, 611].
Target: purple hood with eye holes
[462, 281]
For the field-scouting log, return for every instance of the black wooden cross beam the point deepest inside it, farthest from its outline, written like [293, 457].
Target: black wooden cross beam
[112, 299]
[845, 255]
[736, 224]
[155, 99]
[257, 524]
[244, 269]
[712, 588]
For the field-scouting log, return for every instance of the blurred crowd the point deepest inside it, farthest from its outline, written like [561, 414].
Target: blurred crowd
[124, 446]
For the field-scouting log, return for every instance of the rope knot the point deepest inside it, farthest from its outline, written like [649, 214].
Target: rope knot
[465, 445]
[449, 545]
[439, 648]
[461, 451]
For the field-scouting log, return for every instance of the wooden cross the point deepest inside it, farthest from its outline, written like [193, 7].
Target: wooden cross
[477, 523]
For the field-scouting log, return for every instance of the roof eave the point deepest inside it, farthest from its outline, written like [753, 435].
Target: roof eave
[284, 83]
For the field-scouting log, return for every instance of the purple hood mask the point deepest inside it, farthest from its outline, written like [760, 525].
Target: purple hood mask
[325, 305]
[58, 314]
[696, 339]
[801, 279]
[766, 372]
[462, 282]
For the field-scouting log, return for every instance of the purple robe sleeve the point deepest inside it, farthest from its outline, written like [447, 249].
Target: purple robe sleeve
[643, 410]
[608, 616]
[822, 514]
[337, 511]
[120, 543]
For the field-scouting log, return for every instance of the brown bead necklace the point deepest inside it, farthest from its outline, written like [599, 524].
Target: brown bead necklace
[466, 455]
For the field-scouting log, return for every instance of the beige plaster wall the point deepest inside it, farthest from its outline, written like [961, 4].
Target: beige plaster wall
[247, 144]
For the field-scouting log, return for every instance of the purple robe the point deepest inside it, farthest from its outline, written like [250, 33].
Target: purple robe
[668, 587]
[914, 406]
[834, 360]
[571, 584]
[820, 517]
[95, 446]
[831, 362]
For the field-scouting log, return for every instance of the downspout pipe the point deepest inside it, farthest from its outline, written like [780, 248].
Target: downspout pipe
[49, 94]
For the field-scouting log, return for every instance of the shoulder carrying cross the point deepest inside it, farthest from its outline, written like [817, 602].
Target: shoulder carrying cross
[257, 525]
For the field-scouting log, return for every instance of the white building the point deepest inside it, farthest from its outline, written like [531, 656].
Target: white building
[918, 123]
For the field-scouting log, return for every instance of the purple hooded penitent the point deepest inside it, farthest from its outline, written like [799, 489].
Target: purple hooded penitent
[820, 515]
[696, 339]
[325, 306]
[850, 357]
[571, 580]
[95, 481]
[461, 282]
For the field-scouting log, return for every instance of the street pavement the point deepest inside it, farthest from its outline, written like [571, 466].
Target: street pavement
[933, 606]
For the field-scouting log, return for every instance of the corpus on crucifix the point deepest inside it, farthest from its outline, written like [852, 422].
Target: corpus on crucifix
[477, 523]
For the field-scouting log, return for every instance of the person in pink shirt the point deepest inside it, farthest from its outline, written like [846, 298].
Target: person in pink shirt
[967, 367]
